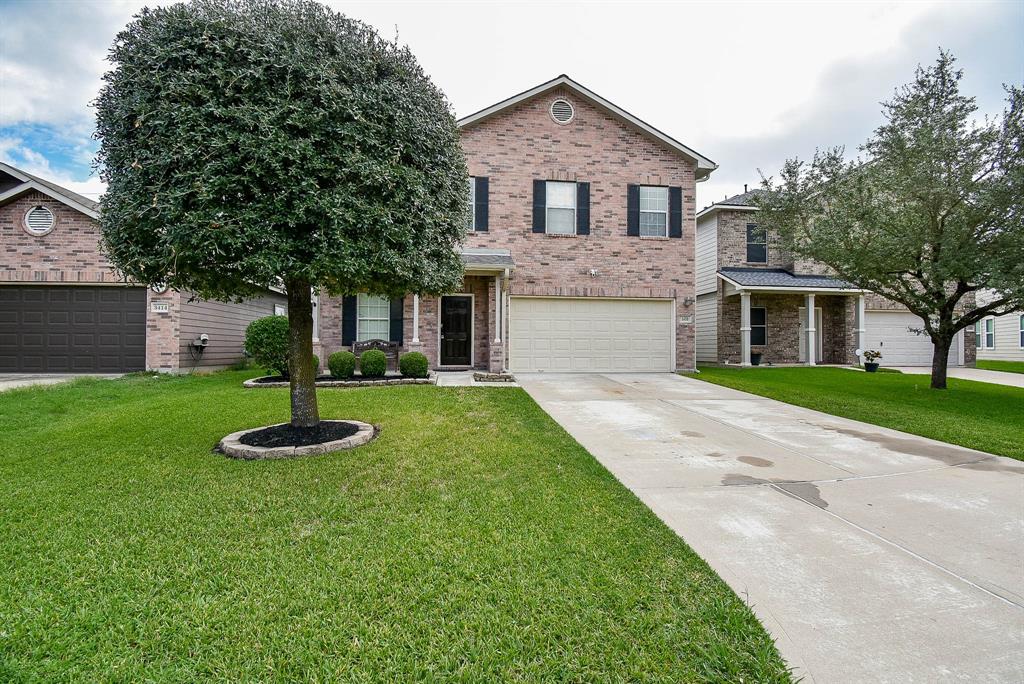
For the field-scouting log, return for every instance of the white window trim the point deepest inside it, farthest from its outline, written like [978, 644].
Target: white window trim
[548, 206]
[360, 318]
[654, 211]
[316, 316]
[746, 237]
[979, 342]
[1020, 331]
[765, 325]
[472, 203]
[985, 331]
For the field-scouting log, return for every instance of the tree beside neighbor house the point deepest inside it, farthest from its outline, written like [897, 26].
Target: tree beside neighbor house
[929, 216]
[261, 143]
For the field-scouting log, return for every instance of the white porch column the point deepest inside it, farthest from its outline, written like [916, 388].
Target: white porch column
[861, 328]
[812, 333]
[744, 328]
[497, 309]
[415, 319]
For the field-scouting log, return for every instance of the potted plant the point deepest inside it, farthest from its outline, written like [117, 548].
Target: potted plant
[870, 360]
[755, 359]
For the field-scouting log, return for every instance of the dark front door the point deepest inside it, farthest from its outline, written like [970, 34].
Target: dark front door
[456, 330]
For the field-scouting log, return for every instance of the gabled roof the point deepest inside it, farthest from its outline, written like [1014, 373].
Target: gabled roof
[704, 165]
[780, 278]
[28, 183]
[745, 201]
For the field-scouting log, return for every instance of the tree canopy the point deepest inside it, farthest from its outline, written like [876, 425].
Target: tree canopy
[930, 215]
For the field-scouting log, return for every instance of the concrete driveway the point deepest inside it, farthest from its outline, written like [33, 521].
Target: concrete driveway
[976, 374]
[869, 554]
[14, 380]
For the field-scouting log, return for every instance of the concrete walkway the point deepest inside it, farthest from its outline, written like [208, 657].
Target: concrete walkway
[976, 374]
[869, 554]
[14, 380]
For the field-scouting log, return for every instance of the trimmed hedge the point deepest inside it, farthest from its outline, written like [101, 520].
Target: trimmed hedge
[413, 365]
[316, 365]
[373, 363]
[266, 341]
[342, 364]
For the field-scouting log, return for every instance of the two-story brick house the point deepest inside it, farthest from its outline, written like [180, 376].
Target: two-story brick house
[63, 308]
[755, 300]
[580, 256]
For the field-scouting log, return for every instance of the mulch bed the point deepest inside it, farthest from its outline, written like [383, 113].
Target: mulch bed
[286, 435]
[331, 378]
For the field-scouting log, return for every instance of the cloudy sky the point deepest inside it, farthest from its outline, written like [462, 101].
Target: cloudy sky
[748, 84]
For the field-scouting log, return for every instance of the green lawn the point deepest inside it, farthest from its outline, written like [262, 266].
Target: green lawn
[473, 541]
[978, 415]
[1005, 366]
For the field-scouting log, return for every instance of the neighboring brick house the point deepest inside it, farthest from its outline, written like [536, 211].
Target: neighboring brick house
[754, 299]
[63, 309]
[581, 252]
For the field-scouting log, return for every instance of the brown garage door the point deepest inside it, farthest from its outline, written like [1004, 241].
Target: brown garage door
[72, 329]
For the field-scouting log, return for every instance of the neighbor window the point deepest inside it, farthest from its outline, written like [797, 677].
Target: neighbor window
[279, 310]
[758, 325]
[472, 203]
[977, 335]
[316, 315]
[373, 318]
[561, 208]
[1022, 332]
[653, 211]
[990, 333]
[757, 244]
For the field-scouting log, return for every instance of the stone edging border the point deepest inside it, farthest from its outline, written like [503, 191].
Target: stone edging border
[429, 380]
[232, 447]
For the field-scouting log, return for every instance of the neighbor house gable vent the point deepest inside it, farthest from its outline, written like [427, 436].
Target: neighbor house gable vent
[562, 111]
[39, 220]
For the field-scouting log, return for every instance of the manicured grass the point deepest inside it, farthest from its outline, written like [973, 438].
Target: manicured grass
[978, 415]
[473, 541]
[1005, 366]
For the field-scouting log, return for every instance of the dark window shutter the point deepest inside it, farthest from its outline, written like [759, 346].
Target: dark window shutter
[633, 210]
[348, 320]
[540, 201]
[397, 319]
[583, 208]
[675, 212]
[480, 209]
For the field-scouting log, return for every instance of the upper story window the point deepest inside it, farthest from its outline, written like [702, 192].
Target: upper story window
[757, 244]
[373, 318]
[472, 203]
[653, 211]
[561, 208]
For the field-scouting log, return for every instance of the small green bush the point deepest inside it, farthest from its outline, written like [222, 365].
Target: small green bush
[316, 365]
[266, 341]
[342, 364]
[373, 363]
[413, 364]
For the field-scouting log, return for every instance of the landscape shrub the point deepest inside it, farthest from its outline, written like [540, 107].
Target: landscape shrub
[266, 341]
[373, 363]
[342, 364]
[413, 364]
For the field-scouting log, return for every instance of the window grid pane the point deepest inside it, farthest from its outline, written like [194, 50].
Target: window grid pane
[561, 221]
[373, 318]
[561, 195]
[653, 211]
[758, 325]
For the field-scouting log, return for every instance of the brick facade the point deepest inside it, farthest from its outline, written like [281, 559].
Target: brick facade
[521, 144]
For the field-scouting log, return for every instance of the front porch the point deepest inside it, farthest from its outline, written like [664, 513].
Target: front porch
[789, 323]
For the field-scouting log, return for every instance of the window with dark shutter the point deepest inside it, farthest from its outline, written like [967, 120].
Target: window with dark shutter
[675, 212]
[397, 322]
[633, 210]
[758, 325]
[481, 192]
[757, 244]
[539, 206]
[583, 208]
[348, 320]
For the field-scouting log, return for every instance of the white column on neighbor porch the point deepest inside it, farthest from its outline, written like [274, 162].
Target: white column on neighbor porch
[497, 309]
[744, 328]
[862, 330]
[812, 333]
[415, 319]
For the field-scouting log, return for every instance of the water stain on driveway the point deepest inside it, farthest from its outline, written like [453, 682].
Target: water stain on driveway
[756, 461]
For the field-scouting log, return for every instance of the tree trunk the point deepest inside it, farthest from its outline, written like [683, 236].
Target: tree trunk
[940, 360]
[300, 354]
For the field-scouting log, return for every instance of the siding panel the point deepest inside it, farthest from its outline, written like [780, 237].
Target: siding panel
[707, 328]
[707, 255]
[225, 323]
[1007, 340]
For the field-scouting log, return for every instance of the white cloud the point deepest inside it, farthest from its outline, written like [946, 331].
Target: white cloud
[13, 151]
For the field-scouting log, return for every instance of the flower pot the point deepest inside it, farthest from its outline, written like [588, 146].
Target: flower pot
[870, 367]
[755, 359]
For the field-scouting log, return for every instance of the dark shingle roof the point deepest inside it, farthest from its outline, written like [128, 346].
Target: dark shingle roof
[744, 199]
[499, 258]
[778, 277]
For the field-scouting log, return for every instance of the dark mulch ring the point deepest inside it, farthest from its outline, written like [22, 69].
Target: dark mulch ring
[288, 436]
[331, 378]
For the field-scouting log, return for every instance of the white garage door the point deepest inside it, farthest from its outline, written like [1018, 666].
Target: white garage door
[565, 334]
[888, 332]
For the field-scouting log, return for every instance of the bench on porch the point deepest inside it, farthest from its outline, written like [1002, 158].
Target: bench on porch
[390, 350]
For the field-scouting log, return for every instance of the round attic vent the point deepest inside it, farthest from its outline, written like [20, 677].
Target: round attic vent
[561, 111]
[39, 220]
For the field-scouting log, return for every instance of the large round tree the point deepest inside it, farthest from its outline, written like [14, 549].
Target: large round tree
[249, 144]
